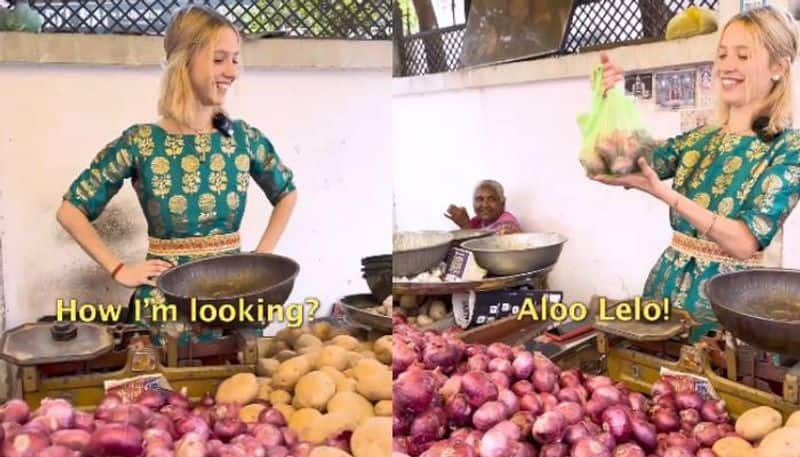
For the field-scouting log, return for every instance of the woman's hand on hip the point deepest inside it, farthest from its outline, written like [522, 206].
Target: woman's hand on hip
[141, 273]
[646, 180]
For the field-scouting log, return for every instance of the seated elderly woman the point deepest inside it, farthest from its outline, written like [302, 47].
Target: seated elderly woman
[489, 203]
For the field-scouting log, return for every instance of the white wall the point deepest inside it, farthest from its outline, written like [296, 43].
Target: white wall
[331, 127]
[526, 137]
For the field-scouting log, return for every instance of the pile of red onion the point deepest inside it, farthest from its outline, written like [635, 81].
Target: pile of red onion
[453, 399]
[158, 424]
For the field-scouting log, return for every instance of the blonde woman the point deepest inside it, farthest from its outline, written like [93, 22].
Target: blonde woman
[190, 178]
[735, 183]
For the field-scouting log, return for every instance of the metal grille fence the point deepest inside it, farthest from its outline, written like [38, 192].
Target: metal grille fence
[593, 23]
[347, 19]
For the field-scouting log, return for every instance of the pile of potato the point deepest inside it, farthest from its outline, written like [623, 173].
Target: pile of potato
[762, 434]
[420, 312]
[384, 309]
[324, 382]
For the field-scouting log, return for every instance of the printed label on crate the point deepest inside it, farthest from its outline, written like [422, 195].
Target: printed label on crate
[130, 389]
[687, 382]
[470, 309]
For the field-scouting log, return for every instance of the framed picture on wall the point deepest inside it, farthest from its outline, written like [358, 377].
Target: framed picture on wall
[695, 118]
[640, 85]
[676, 89]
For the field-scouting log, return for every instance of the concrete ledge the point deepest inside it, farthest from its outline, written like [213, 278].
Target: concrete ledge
[16, 47]
[644, 56]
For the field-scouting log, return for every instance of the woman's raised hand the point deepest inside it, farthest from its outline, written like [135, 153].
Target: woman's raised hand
[612, 74]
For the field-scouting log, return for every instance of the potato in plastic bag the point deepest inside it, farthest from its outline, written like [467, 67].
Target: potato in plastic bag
[613, 134]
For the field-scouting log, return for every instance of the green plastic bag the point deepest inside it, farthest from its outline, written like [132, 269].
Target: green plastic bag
[613, 134]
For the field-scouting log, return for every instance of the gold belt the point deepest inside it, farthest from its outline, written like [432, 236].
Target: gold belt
[710, 251]
[194, 246]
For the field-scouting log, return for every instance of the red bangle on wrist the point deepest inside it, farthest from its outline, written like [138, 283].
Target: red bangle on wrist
[116, 270]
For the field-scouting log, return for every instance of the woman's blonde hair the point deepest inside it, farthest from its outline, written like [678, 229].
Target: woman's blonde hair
[776, 29]
[191, 29]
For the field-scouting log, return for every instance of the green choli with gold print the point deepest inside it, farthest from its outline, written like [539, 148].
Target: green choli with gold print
[735, 176]
[187, 185]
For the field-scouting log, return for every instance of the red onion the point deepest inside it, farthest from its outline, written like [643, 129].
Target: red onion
[174, 413]
[638, 402]
[661, 388]
[524, 421]
[496, 443]
[488, 415]
[272, 416]
[225, 411]
[689, 418]
[523, 365]
[593, 428]
[253, 448]
[611, 395]
[714, 411]
[84, 421]
[540, 362]
[573, 412]
[194, 424]
[403, 354]
[289, 436]
[174, 398]
[678, 452]
[414, 390]
[228, 428]
[41, 424]
[477, 387]
[471, 349]
[645, 434]
[617, 422]
[458, 410]
[444, 356]
[478, 362]
[554, 450]
[688, 400]
[401, 423]
[10, 429]
[400, 444]
[203, 412]
[677, 439]
[451, 387]
[154, 437]
[571, 378]
[152, 399]
[509, 400]
[449, 448]
[607, 440]
[57, 451]
[59, 409]
[705, 453]
[162, 422]
[500, 350]
[665, 401]
[25, 444]
[544, 380]
[521, 388]
[666, 420]
[571, 394]
[725, 428]
[595, 408]
[127, 414]
[575, 433]
[593, 382]
[549, 401]
[268, 435]
[121, 440]
[192, 445]
[589, 447]
[530, 402]
[15, 410]
[74, 439]
[502, 366]
[500, 380]
[706, 433]
[629, 450]
[549, 427]
[428, 427]
[523, 450]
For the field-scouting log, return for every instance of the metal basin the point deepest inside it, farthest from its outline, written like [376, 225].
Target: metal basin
[759, 306]
[355, 309]
[516, 253]
[415, 252]
[221, 280]
[460, 236]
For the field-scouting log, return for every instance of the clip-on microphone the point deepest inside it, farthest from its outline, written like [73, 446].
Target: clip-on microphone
[223, 125]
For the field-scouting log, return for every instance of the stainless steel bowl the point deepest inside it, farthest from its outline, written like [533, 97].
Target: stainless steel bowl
[415, 252]
[460, 236]
[516, 253]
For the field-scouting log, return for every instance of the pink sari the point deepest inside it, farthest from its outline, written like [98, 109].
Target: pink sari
[503, 225]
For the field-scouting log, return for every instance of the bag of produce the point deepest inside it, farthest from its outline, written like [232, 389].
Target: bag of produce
[613, 134]
[690, 22]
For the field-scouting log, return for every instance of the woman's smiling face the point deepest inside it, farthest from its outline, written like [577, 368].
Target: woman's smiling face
[214, 68]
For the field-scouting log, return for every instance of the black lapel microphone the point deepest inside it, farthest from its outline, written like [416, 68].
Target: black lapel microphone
[223, 125]
[760, 128]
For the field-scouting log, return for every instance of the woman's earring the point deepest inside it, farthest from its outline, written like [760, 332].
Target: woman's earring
[776, 78]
